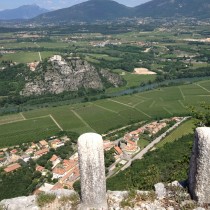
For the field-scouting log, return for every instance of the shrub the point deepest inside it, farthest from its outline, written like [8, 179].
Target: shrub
[45, 198]
[73, 199]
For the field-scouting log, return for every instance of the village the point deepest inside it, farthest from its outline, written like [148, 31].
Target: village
[57, 158]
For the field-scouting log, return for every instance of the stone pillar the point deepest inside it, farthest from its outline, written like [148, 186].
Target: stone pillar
[92, 171]
[199, 174]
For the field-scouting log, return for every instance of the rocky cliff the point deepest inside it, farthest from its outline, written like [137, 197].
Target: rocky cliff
[71, 74]
[165, 197]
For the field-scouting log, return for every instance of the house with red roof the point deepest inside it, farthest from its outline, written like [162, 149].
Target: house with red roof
[43, 144]
[12, 167]
[55, 160]
[118, 150]
[41, 152]
[56, 143]
[40, 168]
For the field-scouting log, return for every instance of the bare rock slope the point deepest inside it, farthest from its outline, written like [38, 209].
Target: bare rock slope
[57, 76]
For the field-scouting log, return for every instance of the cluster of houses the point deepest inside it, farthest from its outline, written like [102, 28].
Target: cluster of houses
[104, 43]
[65, 171]
[128, 145]
[6, 51]
[34, 151]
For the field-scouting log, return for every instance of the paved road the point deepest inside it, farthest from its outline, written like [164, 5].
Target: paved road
[152, 144]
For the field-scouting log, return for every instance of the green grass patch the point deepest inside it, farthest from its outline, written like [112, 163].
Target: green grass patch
[26, 131]
[10, 118]
[104, 115]
[133, 80]
[45, 198]
[184, 129]
[142, 143]
[21, 57]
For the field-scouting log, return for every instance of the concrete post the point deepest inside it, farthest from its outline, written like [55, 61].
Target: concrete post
[199, 174]
[92, 172]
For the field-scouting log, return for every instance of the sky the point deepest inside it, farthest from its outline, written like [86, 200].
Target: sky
[56, 4]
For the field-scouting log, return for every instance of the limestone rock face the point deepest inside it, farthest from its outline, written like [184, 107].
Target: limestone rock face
[199, 174]
[23, 203]
[68, 75]
[92, 171]
[30, 202]
[160, 190]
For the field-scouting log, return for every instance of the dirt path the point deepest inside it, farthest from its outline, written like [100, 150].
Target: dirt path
[56, 122]
[202, 87]
[82, 120]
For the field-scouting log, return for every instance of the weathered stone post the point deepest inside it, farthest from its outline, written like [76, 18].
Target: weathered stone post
[199, 175]
[92, 172]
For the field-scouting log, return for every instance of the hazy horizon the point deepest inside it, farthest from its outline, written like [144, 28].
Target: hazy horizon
[58, 4]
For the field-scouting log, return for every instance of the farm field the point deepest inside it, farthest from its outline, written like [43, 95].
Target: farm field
[26, 131]
[103, 115]
[132, 80]
[184, 129]
[22, 57]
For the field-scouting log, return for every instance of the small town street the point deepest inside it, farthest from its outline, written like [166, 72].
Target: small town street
[142, 152]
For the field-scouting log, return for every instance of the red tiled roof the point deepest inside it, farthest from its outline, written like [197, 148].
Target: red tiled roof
[30, 150]
[131, 142]
[59, 171]
[12, 167]
[39, 168]
[42, 152]
[56, 141]
[118, 150]
[53, 158]
[43, 143]
[75, 173]
[68, 163]
[13, 151]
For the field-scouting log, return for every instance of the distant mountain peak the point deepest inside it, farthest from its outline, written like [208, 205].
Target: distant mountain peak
[94, 10]
[22, 12]
[88, 11]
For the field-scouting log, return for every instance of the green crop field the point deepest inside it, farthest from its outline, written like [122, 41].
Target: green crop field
[21, 57]
[26, 131]
[103, 115]
[184, 129]
[131, 79]
[11, 118]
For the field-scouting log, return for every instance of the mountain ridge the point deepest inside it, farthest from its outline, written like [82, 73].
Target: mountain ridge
[106, 10]
[22, 12]
[170, 8]
[94, 10]
[89, 11]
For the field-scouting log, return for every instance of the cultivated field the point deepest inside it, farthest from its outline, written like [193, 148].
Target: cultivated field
[102, 115]
[26, 131]
[184, 129]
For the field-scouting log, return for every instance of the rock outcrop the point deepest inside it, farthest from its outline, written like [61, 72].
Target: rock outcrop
[30, 202]
[73, 74]
[199, 175]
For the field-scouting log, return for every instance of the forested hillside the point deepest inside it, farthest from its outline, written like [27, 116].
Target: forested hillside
[166, 164]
